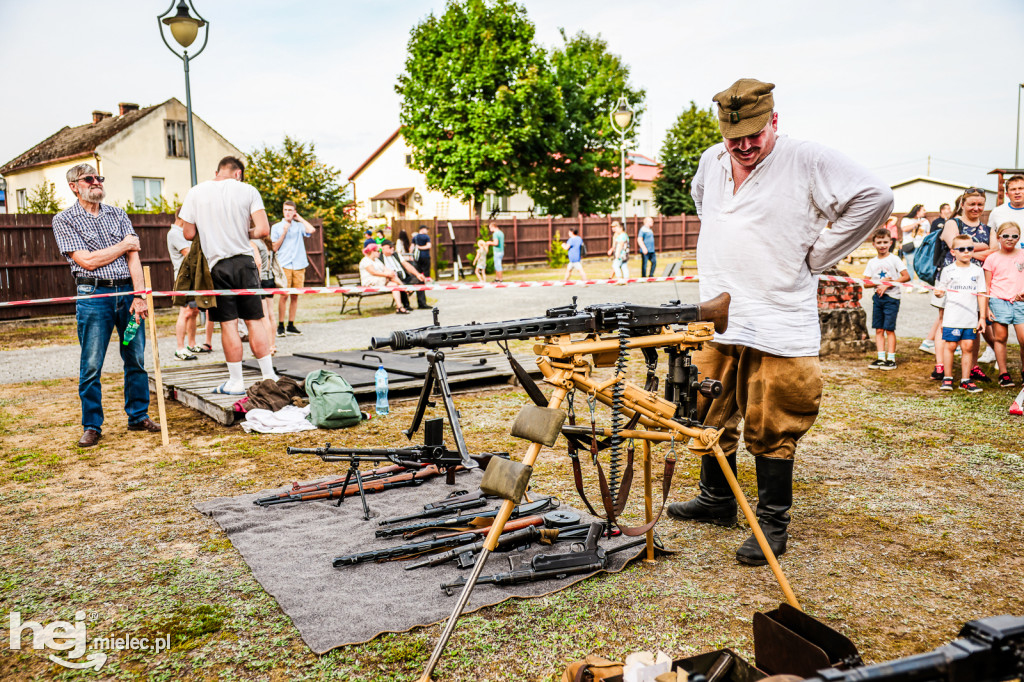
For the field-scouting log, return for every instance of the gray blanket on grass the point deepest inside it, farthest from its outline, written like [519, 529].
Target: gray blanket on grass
[290, 549]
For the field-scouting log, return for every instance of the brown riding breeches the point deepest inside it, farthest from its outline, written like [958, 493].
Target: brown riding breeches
[777, 398]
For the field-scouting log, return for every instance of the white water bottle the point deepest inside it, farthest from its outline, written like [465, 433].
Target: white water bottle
[380, 380]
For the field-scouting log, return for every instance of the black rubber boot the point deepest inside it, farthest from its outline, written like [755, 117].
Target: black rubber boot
[774, 498]
[715, 503]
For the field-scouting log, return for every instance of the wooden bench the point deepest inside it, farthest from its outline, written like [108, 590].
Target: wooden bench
[353, 281]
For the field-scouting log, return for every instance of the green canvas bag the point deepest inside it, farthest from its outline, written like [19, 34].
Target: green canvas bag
[332, 402]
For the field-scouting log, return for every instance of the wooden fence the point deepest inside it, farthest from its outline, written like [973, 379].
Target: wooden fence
[31, 266]
[527, 240]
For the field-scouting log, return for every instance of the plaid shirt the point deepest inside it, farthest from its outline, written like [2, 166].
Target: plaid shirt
[78, 230]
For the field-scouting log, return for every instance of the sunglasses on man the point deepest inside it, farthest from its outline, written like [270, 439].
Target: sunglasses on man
[964, 249]
[92, 179]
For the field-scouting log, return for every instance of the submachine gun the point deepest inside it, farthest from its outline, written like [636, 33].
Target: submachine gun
[988, 650]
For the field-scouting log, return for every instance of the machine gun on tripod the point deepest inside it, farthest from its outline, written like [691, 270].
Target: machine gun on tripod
[609, 332]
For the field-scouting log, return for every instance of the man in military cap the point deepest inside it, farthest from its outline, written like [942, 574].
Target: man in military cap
[765, 202]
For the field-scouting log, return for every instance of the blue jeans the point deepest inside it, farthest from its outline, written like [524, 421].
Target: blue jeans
[97, 318]
[645, 258]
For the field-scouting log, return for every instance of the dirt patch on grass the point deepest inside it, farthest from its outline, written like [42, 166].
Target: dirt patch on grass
[906, 525]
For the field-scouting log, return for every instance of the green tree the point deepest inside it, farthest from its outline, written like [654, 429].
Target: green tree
[43, 199]
[557, 255]
[293, 171]
[694, 131]
[478, 100]
[582, 176]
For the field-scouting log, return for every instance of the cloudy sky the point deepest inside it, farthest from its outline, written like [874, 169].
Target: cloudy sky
[888, 82]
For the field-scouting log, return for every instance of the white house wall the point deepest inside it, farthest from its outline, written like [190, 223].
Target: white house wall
[141, 151]
[31, 178]
[932, 195]
[389, 171]
[137, 151]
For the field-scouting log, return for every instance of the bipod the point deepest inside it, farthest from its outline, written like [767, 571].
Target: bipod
[353, 471]
[436, 373]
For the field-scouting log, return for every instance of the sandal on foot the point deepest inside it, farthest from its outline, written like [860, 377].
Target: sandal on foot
[222, 391]
[205, 348]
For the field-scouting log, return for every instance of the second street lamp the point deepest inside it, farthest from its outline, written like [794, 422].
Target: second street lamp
[184, 29]
[622, 122]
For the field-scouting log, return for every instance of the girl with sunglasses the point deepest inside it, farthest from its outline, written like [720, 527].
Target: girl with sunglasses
[1004, 281]
[967, 220]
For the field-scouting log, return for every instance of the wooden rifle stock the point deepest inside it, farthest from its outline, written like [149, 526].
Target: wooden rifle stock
[716, 311]
[370, 487]
[514, 524]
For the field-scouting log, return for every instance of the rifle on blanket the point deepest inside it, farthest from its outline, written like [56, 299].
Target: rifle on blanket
[416, 549]
[376, 481]
[461, 521]
[432, 452]
[589, 559]
[465, 556]
[454, 504]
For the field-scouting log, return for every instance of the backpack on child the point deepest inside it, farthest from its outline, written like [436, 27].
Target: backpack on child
[930, 256]
[332, 402]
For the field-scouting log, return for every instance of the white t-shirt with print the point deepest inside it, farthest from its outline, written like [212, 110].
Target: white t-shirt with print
[962, 286]
[889, 267]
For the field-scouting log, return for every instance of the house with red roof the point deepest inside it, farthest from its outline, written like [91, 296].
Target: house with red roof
[142, 151]
[385, 186]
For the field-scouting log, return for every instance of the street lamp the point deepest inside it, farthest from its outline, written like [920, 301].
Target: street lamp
[184, 29]
[622, 122]
[1016, 150]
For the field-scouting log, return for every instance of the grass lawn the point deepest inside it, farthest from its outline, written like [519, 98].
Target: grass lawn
[907, 524]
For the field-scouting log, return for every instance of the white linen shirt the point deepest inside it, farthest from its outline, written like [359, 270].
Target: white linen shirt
[765, 243]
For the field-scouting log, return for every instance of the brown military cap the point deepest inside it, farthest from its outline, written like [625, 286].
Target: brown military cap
[745, 107]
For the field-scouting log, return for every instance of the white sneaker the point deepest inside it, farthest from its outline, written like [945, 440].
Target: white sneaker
[988, 357]
[927, 346]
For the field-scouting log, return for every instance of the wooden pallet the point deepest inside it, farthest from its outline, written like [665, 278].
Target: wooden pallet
[193, 385]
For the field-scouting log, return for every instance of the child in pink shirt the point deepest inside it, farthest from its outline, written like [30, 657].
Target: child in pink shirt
[1004, 279]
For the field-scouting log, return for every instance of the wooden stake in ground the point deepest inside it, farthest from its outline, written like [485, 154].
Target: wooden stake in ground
[156, 358]
[648, 500]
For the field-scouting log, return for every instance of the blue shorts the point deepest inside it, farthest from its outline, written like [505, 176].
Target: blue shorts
[1006, 312]
[955, 335]
[496, 257]
[884, 310]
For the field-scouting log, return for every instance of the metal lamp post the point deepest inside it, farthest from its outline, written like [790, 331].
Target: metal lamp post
[622, 122]
[1016, 150]
[184, 29]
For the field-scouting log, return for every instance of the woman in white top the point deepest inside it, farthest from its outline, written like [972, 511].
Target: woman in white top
[914, 227]
[372, 273]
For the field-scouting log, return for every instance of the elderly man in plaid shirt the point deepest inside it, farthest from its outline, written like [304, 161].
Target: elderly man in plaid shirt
[103, 251]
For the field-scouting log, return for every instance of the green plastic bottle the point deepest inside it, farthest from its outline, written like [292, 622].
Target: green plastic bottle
[129, 331]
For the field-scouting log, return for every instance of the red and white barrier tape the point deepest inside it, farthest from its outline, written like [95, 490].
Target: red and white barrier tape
[423, 287]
